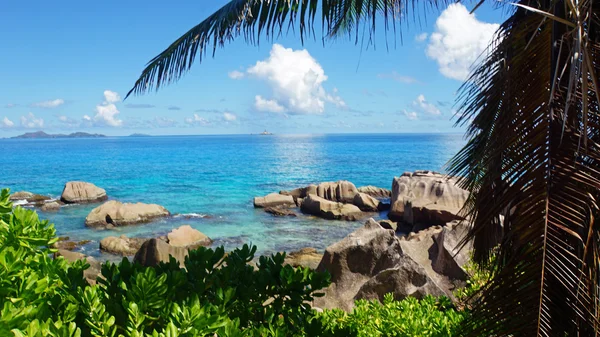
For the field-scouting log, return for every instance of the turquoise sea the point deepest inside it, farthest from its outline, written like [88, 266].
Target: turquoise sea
[209, 181]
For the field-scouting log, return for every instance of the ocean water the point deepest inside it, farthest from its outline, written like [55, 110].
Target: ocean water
[209, 181]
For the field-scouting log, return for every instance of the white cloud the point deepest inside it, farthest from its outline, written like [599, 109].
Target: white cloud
[106, 112]
[7, 123]
[10, 105]
[31, 122]
[268, 105]
[196, 120]
[111, 96]
[397, 77]
[458, 40]
[228, 116]
[424, 106]
[55, 103]
[421, 37]
[235, 75]
[296, 80]
[411, 115]
[87, 118]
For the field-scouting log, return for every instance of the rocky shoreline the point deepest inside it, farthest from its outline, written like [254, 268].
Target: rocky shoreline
[412, 253]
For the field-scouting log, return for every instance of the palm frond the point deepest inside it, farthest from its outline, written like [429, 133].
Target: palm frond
[525, 165]
[252, 19]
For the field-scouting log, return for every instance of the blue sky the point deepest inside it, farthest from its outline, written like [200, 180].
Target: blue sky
[66, 65]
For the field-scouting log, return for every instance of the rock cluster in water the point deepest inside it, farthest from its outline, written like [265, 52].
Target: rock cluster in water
[329, 200]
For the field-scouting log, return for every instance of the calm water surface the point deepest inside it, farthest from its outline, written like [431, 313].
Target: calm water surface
[211, 180]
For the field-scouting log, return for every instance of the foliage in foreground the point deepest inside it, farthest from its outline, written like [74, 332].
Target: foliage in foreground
[217, 294]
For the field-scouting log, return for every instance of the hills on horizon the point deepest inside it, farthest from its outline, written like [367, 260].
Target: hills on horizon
[43, 135]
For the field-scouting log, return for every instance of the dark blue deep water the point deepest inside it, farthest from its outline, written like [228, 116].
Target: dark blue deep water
[212, 179]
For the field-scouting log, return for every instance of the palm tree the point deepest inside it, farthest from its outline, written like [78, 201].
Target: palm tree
[533, 151]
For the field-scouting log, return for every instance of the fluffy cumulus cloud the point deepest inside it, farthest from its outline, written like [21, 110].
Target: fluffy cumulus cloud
[458, 40]
[411, 115]
[296, 80]
[7, 123]
[424, 106]
[267, 105]
[236, 75]
[31, 122]
[55, 103]
[106, 112]
[196, 120]
[229, 117]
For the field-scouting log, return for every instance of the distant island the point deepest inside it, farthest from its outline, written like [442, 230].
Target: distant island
[139, 135]
[42, 135]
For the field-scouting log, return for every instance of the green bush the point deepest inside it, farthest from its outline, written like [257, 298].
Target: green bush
[213, 294]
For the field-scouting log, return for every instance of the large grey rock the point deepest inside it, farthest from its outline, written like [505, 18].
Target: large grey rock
[426, 197]
[274, 200]
[340, 191]
[154, 251]
[331, 210]
[356, 259]
[186, 236]
[367, 203]
[79, 192]
[451, 256]
[373, 261]
[121, 245]
[115, 213]
[435, 250]
[375, 192]
[305, 257]
[407, 278]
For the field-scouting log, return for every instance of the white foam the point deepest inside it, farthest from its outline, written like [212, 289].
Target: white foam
[190, 215]
[20, 202]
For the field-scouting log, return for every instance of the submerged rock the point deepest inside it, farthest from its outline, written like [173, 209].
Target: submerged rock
[305, 257]
[29, 199]
[51, 207]
[274, 200]
[79, 192]
[121, 245]
[115, 213]
[186, 236]
[331, 210]
[279, 211]
[426, 197]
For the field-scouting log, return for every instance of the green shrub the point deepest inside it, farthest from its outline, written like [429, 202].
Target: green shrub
[428, 317]
[216, 293]
[213, 294]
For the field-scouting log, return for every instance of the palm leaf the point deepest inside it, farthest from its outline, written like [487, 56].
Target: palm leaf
[252, 19]
[524, 162]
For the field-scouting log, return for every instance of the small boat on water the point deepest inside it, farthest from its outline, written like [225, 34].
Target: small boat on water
[265, 133]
